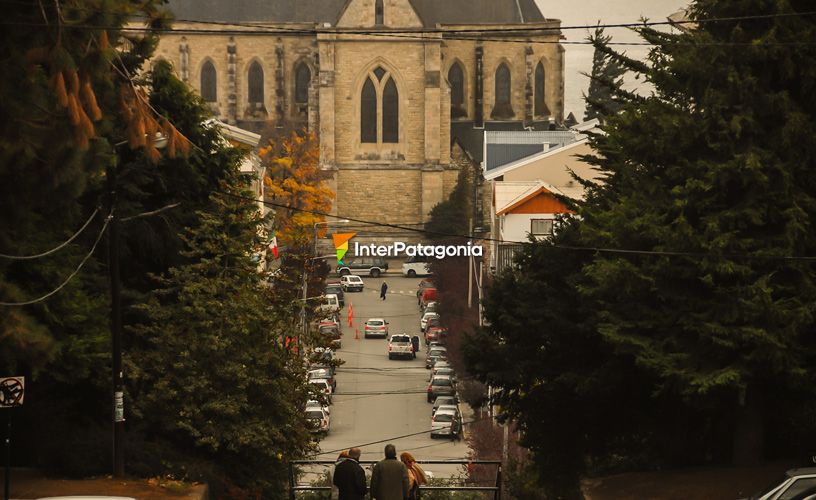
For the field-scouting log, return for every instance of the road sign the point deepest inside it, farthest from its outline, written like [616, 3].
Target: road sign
[12, 391]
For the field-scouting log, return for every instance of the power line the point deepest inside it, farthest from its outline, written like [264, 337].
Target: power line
[56, 248]
[70, 277]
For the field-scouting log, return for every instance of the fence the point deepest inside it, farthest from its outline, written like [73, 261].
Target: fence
[496, 489]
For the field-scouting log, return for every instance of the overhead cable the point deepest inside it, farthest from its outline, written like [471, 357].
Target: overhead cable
[56, 248]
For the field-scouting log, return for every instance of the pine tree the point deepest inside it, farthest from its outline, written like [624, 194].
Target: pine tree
[604, 81]
[716, 168]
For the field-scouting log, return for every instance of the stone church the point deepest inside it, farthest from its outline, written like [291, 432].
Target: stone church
[393, 88]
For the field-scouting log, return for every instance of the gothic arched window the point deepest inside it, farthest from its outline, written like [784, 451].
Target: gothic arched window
[502, 107]
[255, 82]
[390, 112]
[208, 82]
[378, 12]
[303, 77]
[456, 78]
[368, 112]
[379, 108]
[540, 104]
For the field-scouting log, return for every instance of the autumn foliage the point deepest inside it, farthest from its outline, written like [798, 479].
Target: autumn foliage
[295, 186]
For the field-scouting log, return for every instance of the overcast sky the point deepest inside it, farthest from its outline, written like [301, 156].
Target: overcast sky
[589, 12]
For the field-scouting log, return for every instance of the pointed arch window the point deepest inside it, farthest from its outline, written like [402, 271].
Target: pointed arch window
[303, 78]
[456, 78]
[209, 82]
[540, 88]
[378, 13]
[379, 108]
[368, 112]
[255, 83]
[502, 107]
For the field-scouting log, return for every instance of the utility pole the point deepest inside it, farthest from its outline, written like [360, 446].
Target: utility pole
[470, 267]
[116, 328]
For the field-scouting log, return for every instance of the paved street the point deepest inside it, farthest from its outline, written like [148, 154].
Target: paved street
[378, 399]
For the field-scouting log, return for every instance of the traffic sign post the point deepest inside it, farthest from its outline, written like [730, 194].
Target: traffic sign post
[12, 394]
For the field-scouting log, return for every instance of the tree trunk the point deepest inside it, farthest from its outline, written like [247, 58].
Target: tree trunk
[749, 431]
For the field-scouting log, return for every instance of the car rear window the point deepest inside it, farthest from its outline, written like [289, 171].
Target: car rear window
[375, 323]
[316, 414]
[400, 338]
[441, 382]
[443, 417]
[437, 352]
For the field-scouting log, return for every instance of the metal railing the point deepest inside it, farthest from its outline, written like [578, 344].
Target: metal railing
[294, 488]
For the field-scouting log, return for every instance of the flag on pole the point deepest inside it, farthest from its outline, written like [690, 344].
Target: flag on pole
[351, 314]
[273, 246]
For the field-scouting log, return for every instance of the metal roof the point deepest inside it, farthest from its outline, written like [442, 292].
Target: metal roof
[505, 147]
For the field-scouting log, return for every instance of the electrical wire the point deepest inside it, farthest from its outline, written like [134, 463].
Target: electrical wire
[56, 248]
[70, 277]
[622, 251]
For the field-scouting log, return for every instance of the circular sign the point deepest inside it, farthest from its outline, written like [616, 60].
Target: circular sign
[11, 392]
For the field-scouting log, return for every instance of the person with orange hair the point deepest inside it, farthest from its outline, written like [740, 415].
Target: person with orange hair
[416, 476]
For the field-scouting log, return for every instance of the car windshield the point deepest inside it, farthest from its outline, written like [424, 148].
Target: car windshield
[443, 417]
[441, 381]
[772, 486]
[315, 414]
[437, 352]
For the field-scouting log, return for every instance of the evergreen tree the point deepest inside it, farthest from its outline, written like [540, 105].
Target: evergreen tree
[211, 375]
[604, 81]
[451, 216]
[718, 169]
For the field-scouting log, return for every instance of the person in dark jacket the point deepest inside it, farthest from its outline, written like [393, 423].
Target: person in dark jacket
[350, 478]
[383, 290]
[389, 480]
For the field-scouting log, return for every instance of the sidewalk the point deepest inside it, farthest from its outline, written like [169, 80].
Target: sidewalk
[31, 484]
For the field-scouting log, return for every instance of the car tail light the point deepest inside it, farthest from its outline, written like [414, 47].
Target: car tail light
[389, 348]
[430, 387]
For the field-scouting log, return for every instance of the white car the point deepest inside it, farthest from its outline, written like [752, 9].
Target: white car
[352, 282]
[317, 420]
[425, 318]
[799, 484]
[322, 386]
[313, 403]
[330, 305]
[375, 327]
[445, 422]
[400, 346]
[416, 266]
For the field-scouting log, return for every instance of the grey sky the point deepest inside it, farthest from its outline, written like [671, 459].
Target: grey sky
[589, 12]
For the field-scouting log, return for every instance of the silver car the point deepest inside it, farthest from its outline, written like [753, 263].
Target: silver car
[445, 423]
[798, 484]
[441, 385]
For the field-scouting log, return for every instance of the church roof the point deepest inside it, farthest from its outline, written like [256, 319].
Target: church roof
[432, 12]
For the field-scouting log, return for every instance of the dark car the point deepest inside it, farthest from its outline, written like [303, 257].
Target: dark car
[434, 354]
[371, 266]
[337, 289]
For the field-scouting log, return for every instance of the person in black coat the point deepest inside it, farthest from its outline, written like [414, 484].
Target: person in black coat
[383, 290]
[350, 478]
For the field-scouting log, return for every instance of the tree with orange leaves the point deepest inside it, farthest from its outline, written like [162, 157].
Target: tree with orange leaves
[294, 183]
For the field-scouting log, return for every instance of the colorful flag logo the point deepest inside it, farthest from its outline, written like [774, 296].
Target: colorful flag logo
[341, 244]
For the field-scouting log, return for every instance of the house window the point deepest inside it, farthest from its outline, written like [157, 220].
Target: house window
[540, 105]
[456, 78]
[541, 227]
[208, 82]
[368, 112]
[303, 77]
[378, 13]
[502, 107]
[379, 108]
[255, 82]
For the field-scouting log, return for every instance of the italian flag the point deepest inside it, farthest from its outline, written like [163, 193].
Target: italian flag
[273, 246]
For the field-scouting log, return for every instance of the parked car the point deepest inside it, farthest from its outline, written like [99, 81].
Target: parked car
[428, 295]
[431, 307]
[321, 355]
[337, 289]
[330, 329]
[424, 320]
[375, 327]
[796, 484]
[441, 385]
[313, 403]
[435, 334]
[434, 354]
[323, 374]
[418, 265]
[433, 322]
[322, 386]
[330, 305]
[442, 370]
[399, 346]
[371, 266]
[426, 283]
[352, 282]
[317, 420]
[444, 423]
[444, 401]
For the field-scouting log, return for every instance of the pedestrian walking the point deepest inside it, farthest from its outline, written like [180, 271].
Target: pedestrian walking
[349, 477]
[383, 290]
[389, 480]
[416, 476]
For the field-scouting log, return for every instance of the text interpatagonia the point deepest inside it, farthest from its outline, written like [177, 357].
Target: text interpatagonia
[398, 248]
